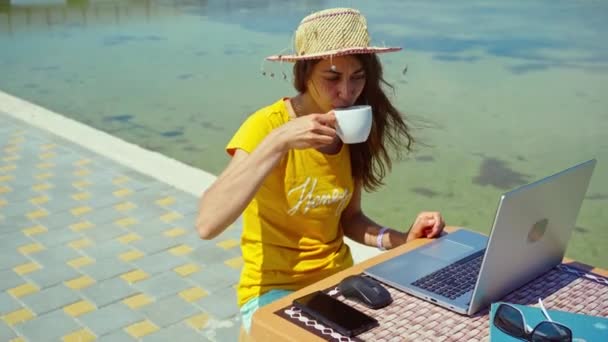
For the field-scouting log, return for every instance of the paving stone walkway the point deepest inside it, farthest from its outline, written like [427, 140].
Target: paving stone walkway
[93, 250]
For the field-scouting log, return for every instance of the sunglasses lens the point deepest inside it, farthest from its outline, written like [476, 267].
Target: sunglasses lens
[509, 320]
[550, 331]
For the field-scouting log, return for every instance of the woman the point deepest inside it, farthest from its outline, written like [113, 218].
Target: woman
[296, 184]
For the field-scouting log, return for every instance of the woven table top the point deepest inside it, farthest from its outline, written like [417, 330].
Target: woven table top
[411, 319]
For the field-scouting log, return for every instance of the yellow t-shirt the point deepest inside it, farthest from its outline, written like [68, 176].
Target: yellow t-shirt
[291, 229]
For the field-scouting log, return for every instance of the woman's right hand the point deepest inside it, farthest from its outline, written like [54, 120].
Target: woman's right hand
[309, 131]
[223, 202]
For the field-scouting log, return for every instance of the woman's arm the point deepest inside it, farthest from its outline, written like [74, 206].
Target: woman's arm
[232, 191]
[362, 229]
[224, 201]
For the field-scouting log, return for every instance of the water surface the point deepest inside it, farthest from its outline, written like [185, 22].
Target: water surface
[497, 93]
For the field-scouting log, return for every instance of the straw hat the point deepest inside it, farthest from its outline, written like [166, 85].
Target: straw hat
[330, 33]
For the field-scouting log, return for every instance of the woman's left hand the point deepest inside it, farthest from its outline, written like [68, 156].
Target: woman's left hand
[428, 224]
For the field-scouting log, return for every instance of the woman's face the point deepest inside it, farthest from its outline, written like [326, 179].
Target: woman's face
[338, 87]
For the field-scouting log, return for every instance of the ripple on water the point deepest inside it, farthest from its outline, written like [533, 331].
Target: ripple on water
[426, 192]
[495, 172]
[425, 158]
[120, 118]
[170, 134]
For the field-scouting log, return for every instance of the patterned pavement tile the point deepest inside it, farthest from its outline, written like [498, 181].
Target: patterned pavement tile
[107, 249]
[6, 333]
[217, 305]
[60, 220]
[160, 262]
[228, 333]
[8, 303]
[215, 277]
[183, 330]
[142, 328]
[150, 194]
[117, 336]
[105, 269]
[143, 212]
[151, 228]
[15, 238]
[102, 233]
[23, 193]
[57, 203]
[49, 327]
[55, 256]
[179, 201]
[13, 225]
[91, 248]
[163, 285]
[207, 253]
[108, 291]
[53, 275]
[59, 237]
[155, 244]
[169, 311]
[10, 259]
[105, 216]
[50, 299]
[110, 318]
[18, 209]
[9, 280]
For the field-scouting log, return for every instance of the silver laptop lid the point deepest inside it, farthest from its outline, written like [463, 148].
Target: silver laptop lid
[530, 234]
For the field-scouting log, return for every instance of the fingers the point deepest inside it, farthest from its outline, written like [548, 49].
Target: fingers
[428, 224]
[320, 140]
[417, 230]
[324, 130]
[437, 226]
[327, 119]
[314, 130]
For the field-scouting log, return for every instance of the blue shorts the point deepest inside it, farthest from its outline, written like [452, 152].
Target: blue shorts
[253, 304]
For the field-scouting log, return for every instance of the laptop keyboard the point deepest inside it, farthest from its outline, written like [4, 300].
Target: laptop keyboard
[454, 280]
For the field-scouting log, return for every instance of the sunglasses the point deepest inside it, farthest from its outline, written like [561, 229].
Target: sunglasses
[511, 321]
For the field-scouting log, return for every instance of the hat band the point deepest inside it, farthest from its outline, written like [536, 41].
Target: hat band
[313, 47]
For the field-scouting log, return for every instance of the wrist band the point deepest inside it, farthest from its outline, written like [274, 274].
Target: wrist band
[379, 238]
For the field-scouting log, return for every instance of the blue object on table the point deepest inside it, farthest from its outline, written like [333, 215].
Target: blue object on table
[584, 327]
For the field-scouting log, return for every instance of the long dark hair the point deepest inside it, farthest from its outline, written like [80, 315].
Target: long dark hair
[370, 160]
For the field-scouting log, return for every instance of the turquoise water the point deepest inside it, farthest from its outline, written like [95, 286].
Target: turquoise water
[498, 93]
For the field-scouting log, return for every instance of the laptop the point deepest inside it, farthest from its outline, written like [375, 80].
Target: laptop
[465, 271]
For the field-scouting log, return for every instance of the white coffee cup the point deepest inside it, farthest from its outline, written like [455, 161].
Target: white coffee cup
[353, 124]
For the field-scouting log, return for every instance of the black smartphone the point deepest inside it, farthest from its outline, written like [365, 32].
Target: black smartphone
[335, 314]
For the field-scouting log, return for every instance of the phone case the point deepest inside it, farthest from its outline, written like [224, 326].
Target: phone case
[331, 324]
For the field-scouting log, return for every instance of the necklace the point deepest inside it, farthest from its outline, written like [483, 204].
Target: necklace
[296, 107]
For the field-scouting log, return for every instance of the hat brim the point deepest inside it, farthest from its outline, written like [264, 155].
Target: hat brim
[334, 53]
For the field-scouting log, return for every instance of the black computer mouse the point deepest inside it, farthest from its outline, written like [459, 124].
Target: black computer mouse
[366, 291]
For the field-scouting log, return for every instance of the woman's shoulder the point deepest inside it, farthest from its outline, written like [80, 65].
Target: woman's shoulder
[276, 113]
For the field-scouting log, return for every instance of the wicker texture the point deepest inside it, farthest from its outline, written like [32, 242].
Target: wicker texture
[332, 32]
[411, 319]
